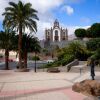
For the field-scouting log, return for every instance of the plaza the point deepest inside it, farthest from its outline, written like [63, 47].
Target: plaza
[41, 85]
[61, 61]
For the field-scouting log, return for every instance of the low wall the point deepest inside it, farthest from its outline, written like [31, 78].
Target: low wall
[73, 63]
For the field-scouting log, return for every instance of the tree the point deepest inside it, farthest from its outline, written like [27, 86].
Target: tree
[79, 50]
[29, 44]
[80, 33]
[93, 44]
[19, 16]
[6, 42]
[95, 30]
[89, 33]
[37, 49]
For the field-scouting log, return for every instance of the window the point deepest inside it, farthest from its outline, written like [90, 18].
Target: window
[56, 35]
[63, 35]
[48, 33]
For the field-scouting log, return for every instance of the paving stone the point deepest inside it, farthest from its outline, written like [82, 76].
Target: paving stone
[23, 86]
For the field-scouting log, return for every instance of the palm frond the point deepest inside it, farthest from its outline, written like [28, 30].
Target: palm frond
[13, 4]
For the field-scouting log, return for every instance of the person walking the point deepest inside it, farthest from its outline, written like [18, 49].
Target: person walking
[92, 71]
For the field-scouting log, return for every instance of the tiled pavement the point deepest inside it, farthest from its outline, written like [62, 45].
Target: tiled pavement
[40, 86]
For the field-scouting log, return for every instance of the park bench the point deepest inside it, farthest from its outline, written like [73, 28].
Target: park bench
[53, 70]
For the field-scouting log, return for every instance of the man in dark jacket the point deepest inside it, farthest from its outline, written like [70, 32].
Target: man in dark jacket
[92, 65]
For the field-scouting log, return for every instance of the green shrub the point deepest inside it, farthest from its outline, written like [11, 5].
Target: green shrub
[79, 50]
[83, 56]
[67, 59]
[53, 64]
[96, 55]
[35, 58]
[93, 44]
[75, 48]
[56, 63]
[48, 65]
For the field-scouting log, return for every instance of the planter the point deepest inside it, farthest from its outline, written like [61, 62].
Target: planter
[53, 70]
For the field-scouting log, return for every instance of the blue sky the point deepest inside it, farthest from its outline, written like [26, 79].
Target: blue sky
[71, 14]
[84, 13]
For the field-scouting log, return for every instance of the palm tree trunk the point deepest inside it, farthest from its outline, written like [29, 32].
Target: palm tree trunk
[25, 59]
[6, 59]
[20, 46]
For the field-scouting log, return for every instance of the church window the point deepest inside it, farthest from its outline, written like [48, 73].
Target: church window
[56, 35]
[48, 33]
[63, 35]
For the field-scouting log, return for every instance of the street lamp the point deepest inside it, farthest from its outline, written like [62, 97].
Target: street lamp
[35, 60]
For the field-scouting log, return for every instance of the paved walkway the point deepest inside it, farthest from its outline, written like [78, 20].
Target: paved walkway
[40, 86]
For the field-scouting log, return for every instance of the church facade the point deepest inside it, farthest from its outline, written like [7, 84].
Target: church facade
[56, 33]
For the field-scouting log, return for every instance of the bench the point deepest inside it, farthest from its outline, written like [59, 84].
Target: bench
[53, 70]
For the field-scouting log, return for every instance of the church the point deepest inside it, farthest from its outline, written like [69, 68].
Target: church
[56, 33]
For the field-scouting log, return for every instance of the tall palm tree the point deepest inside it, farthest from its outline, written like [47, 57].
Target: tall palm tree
[6, 43]
[29, 44]
[19, 16]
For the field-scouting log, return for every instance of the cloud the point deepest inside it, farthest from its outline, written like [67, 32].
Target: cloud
[44, 5]
[45, 14]
[85, 20]
[69, 10]
[3, 5]
[44, 8]
[71, 30]
[41, 29]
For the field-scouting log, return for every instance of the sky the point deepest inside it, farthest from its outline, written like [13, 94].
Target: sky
[71, 14]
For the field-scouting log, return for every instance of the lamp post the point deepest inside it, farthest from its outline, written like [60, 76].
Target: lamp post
[35, 60]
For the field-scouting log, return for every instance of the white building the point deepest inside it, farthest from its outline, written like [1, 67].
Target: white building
[56, 33]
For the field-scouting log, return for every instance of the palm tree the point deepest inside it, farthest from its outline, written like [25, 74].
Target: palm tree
[19, 16]
[29, 44]
[37, 49]
[6, 43]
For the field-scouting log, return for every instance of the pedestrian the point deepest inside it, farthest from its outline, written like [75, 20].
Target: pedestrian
[92, 71]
